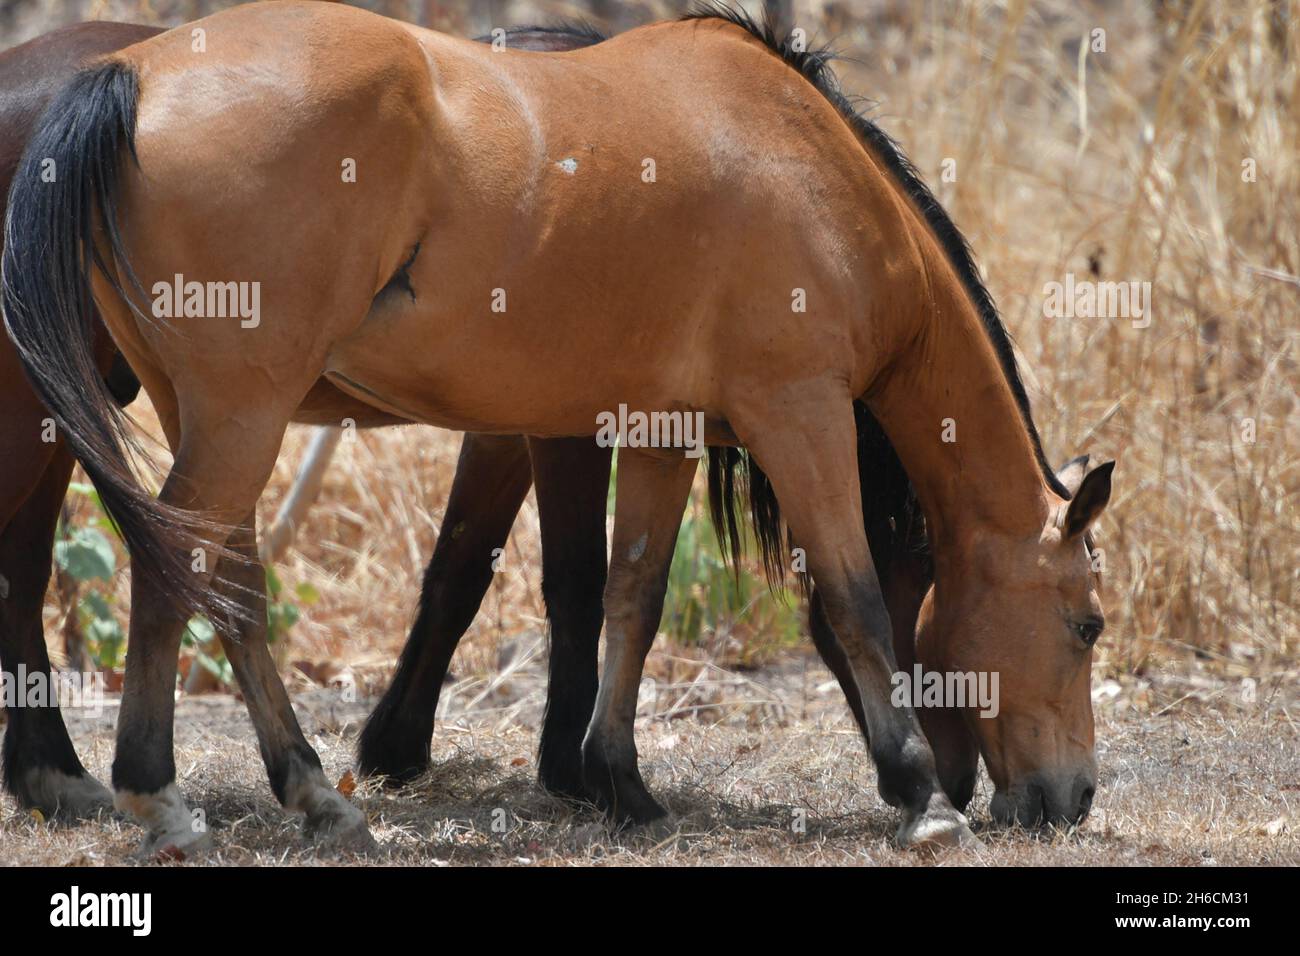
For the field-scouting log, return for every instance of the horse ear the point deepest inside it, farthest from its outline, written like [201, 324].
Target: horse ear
[1089, 501]
[1071, 474]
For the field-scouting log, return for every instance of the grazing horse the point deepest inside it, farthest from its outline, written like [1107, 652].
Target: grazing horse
[685, 219]
[41, 768]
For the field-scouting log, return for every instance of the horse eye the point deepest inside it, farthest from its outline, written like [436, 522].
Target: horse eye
[1088, 631]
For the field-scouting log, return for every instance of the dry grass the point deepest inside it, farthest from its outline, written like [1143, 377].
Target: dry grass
[1125, 164]
[1198, 786]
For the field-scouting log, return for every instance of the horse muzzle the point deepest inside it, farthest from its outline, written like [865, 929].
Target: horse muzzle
[1059, 799]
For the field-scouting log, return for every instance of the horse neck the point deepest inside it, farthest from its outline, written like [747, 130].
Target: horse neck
[947, 379]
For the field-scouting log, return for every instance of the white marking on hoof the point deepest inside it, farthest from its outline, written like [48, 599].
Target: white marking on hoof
[57, 794]
[333, 823]
[173, 833]
[569, 165]
[936, 828]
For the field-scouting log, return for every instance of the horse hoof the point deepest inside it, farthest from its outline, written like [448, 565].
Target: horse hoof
[618, 790]
[58, 795]
[661, 829]
[175, 846]
[638, 809]
[342, 830]
[937, 828]
[566, 785]
[391, 771]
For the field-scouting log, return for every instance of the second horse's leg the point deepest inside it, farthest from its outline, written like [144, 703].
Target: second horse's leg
[492, 479]
[41, 768]
[572, 480]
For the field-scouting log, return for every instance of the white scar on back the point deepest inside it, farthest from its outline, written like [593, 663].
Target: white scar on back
[569, 165]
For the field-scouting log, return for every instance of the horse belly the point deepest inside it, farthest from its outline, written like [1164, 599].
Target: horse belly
[428, 371]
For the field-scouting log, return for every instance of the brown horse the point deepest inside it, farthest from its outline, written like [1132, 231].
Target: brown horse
[619, 199]
[41, 768]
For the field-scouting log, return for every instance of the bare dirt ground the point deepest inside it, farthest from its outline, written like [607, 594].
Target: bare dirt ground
[1187, 778]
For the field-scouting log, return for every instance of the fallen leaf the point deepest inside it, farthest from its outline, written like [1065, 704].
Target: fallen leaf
[347, 784]
[519, 762]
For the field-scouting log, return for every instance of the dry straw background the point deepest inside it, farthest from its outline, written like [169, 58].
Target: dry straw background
[1122, 165]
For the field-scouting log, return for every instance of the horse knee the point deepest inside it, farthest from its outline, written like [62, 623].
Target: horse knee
[859, 617]
[634, 592]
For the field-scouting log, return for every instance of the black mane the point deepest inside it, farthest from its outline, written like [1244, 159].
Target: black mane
[814, 65]
[578, 29]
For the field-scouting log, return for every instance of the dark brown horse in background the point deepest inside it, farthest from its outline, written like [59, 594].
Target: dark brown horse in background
[41, 768]
[494, 473]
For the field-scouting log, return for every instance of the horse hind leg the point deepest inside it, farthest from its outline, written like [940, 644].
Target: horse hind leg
[805, 444]
[293, 766]
[651, 496]
[219, 472]
[41, 768]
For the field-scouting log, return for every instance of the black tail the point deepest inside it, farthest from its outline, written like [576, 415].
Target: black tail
[891, 514]
[69, 174]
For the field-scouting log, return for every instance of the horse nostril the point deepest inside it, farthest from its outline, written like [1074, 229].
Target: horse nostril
[1085, 802]
[1036, 805]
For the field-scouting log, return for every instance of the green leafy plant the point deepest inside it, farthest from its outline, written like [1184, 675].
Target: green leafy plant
[200, 639]
[708, 598]
[281, 613]
[85, 554]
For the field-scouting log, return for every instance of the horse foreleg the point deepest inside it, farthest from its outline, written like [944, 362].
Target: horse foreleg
[834, 657]
[651, 496]
[805, 441]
